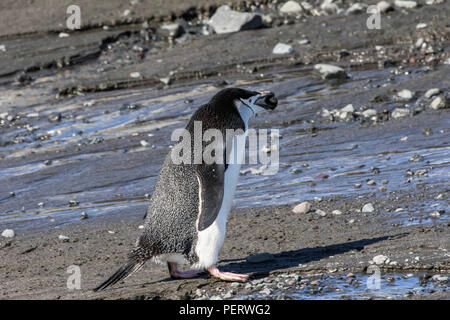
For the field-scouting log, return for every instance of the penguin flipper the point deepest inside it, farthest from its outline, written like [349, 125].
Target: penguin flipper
[211, 189]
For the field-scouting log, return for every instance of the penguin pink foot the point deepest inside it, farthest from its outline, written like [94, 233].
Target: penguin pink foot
[227, 276]
[177, 274]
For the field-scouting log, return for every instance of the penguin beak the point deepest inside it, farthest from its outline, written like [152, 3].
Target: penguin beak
[267, 100]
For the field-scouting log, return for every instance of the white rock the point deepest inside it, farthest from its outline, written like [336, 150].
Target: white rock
[329, 71]
[368, 207]
[2, 47]
[369, 113]
[167, 80]
[135, 75]
[227, 20]
[307, 6]
[356, 8]
[432, 92]
[384, 6]
[336, 212]
[303, 41]
[440, 278]
[302, 208]
[440, 102]
[320, 212]
[144, 143]
[405, 4]
[291, 7]
[447, 61]
[282, 48]
[405, 95]
[432, 2]
[329, 7]
[63, 35]
[380, 259]
[400, 112]
[126, 13]
[8, 233]
[348, 108]
[170, 30]
[63, 238]
[421, 26]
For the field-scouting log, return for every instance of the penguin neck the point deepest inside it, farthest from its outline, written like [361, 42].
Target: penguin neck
[245, 111]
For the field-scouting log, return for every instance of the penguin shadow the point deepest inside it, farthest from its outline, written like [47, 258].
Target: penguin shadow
[292, 258]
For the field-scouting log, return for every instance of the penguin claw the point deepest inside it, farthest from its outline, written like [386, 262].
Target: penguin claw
[227, 276]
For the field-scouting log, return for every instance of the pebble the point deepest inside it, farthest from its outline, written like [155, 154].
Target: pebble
[355, 8]
[3, 48]
[282, 48]
[171, 30]
[380, 259]
[303, 41]
[357, 185]
[432, 92]
[371, 183]
[385, 181]
[405, 4]
[291, 7]
[440, 102]
[329, 71]
[421, 26]
[260, 257]
[302, 208]
[320, 212]
[84, 216]
[369, 113]
[167, 80]
[73, 203]
[8, 233]
[405, 95]
[384, 7]
[63, 238]
[336, 212]
[227, 20]
[400, 112]
[144, 143]
[63, 35]
[135, 75]
[368, 207]
[439, 278]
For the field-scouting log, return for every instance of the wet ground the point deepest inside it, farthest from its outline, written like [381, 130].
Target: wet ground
[79, 134]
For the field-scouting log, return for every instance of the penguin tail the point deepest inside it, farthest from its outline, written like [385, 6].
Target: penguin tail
[135, 262]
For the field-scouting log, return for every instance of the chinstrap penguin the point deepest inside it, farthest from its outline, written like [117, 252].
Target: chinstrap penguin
[187, 214]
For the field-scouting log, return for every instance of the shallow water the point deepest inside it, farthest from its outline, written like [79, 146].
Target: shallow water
[115, 175]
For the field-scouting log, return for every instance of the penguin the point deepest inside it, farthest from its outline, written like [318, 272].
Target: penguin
[187, 213]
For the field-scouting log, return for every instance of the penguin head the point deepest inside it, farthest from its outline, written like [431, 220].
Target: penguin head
[241, 98]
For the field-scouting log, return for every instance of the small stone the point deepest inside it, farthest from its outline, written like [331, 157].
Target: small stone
[171, 30]
[144, 143]
[384, 7]
[400, 112]
[368, 207]
[3, 48]
[435, 214]
[303, 41]
[440, 102]
[83, 216]
[63, 35]
[336, 212]
[382, 189]
[73, 203]
[351, 221]
[302, 208]
[320, 212]
[380, 259]
[369, 113]
[329, 71]
[355, 8]
[405, 95]
[135, 75]
[259, 257]
[282, 48]
[63, 238]
[8, 233]
[41, 204]
[371, 183]
[167, 80]
[406, 4]
[439, 278]
[265, 292]
[227, 20]
[432, 92]
[291, 7]
[421, 26]
[357, 185]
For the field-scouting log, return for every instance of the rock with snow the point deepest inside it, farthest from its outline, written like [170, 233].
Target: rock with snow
[405, 95]
[302, 208]
[227, 20]
[8, 233]
[328, 71]
[282, 48]
[291, 7]
[406, 4]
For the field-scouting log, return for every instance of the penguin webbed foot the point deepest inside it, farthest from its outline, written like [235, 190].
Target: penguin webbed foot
[227, 276]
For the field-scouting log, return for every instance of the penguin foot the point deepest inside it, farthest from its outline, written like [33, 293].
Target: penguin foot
[227, 276]
[177, 274]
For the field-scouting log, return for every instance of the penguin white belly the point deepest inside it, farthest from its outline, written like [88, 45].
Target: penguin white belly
[211, 239]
